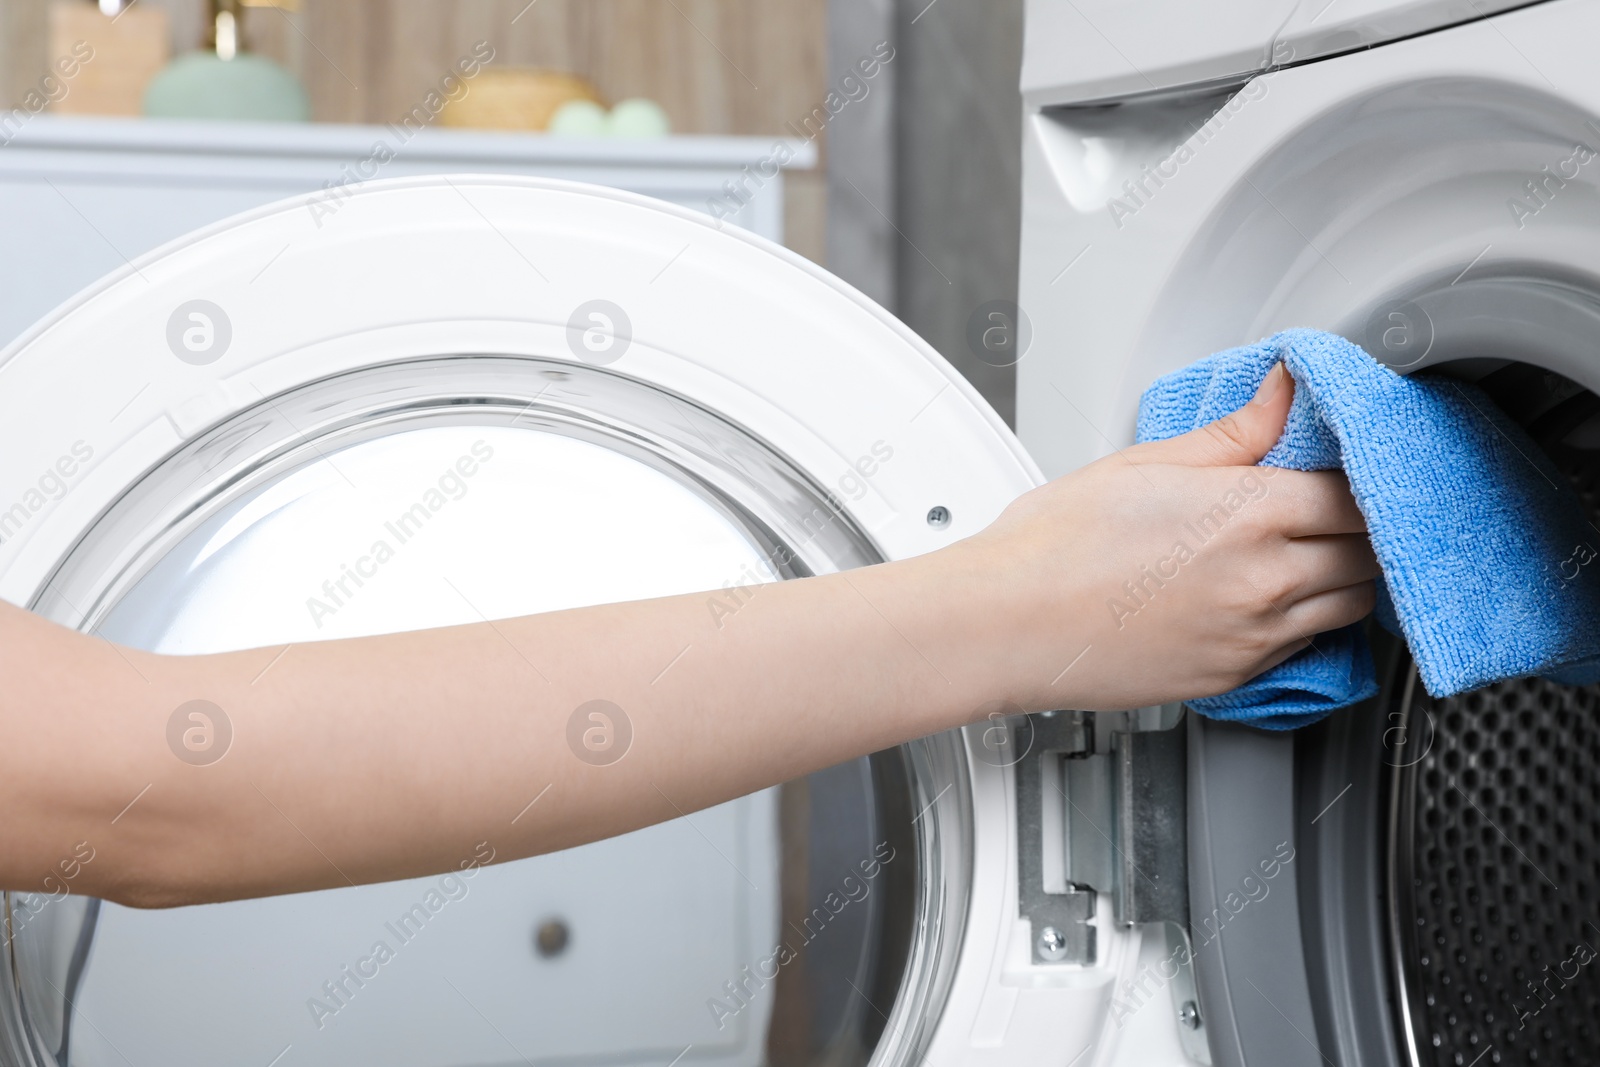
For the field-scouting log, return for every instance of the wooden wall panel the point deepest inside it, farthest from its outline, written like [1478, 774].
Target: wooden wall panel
[24, 30]
[717, 66]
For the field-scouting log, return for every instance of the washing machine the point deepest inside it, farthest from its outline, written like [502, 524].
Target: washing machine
[1423, 178]
[487, 396]
[473, 397]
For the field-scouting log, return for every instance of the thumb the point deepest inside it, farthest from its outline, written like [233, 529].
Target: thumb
[1236, 440]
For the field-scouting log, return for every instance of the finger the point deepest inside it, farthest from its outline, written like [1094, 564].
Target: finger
[1236, 440]
[1330, 610]
[1332, 562]
[1313, 503]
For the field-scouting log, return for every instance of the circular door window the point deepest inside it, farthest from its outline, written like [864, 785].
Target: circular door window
[807, 923]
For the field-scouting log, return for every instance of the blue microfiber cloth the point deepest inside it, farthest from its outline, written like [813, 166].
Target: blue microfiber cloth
[1485, 548]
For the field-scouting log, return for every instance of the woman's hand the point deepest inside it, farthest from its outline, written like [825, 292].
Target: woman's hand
[1171, 570]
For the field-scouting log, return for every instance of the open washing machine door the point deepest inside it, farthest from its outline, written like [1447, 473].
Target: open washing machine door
[470, 398]
[1436, 199]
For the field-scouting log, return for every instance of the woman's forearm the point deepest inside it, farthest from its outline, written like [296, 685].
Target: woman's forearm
[382, 757]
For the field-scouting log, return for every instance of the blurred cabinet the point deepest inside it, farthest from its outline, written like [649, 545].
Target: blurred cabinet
[718, 67]
[80, 198]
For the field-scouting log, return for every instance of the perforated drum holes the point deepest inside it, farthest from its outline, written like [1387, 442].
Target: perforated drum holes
[1499, 891]
[199, 332]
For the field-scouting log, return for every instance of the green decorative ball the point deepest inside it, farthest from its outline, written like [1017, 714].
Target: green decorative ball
[638, 117]
[579, 118]
[200, 85]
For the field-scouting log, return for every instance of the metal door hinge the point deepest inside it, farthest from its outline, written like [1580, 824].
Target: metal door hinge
[1106, 816]
[1059, 910]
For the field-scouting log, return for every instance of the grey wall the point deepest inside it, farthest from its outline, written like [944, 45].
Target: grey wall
[860, 151]
[924, 178]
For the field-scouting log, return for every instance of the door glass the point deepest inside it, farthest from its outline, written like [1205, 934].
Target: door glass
[433, 527]
[774, 929]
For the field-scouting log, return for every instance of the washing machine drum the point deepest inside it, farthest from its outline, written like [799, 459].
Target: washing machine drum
[1494, 801]
[465, 399]
[1451, 917]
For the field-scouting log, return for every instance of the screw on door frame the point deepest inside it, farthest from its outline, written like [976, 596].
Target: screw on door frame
[938, 516]
[1052, 944]
[1189, 1015]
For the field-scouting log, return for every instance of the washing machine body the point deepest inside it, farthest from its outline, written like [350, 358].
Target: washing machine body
[1424, 181]
[475, 397]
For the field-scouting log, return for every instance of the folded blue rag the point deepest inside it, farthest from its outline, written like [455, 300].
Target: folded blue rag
[1486, 551]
